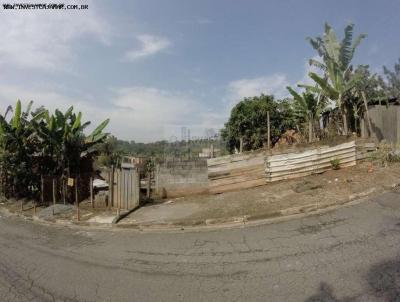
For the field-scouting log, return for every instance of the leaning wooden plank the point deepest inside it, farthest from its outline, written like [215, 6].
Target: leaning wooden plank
[238, 179]
[237, 165]
[251, 169]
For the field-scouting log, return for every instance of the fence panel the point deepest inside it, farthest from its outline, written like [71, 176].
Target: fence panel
[293, 165]
[126, 189]
[238, 171]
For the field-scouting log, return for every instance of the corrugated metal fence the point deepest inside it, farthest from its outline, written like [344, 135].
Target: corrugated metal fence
[293, 165]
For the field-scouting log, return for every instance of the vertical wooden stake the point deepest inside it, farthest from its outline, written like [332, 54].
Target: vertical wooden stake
[42, 189]
[22, 206]
[76, 199]
[91, 192]
[63, 188]
[148, 186]
[268, 131]
[111, 188]
[54, 194]
[241, 145]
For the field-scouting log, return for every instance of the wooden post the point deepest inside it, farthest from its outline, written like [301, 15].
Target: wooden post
[212, 150]
[76, 199]
[362, 127]
[42, 189]
[22, 205]
[241, 145]
[63, 189]
[111, 188]
[268, 131]
[91, 192]
[148, 186]
[54, 194]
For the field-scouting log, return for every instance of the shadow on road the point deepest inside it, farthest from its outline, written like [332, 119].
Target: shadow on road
[383, 280]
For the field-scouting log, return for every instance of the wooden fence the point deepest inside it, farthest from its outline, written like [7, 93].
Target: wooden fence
[238, 171]
[293, 165]
[125, 193]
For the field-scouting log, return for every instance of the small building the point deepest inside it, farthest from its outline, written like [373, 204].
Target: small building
[210, 152]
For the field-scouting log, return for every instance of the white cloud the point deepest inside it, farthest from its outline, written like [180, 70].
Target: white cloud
[149, 113]
[44, 39]
[273, 84]
[140, 113]
[149, 45]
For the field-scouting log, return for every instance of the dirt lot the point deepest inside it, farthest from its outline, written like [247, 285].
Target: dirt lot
[271, 200]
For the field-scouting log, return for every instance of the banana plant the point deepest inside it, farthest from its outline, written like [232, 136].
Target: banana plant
[18, 146]
[308, 107]
[336, 66]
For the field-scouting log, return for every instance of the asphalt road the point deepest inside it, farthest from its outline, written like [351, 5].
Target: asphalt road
[351, 254]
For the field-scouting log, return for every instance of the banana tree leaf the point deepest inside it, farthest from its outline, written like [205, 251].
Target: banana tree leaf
[16, 121]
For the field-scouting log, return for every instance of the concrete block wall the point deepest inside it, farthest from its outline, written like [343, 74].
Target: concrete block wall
[181, 178]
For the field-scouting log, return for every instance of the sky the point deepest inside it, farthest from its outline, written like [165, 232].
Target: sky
[155, 66]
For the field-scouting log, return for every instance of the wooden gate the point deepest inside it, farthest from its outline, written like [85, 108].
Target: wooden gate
[125, 190]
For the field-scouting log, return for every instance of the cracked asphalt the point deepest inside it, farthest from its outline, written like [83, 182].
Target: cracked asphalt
[350, 254]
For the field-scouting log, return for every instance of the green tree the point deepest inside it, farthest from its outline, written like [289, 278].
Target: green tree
[248, 121]
[391, 81]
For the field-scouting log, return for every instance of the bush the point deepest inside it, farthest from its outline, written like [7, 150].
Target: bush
[335, 163]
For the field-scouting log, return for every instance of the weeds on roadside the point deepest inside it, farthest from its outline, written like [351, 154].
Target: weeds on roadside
[386, 153]
[335, 163]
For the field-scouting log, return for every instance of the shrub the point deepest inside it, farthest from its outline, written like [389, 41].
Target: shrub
[335, 163]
